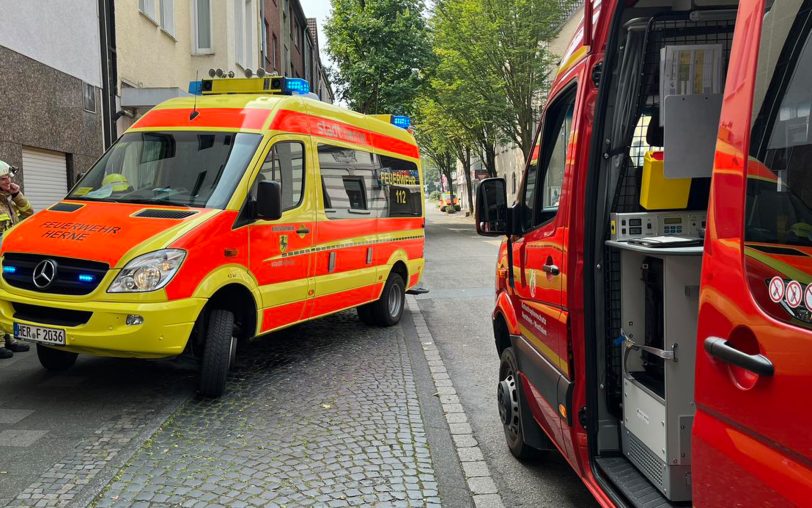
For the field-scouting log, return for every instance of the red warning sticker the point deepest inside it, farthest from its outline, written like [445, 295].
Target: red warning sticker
[795, 293]
[776, 289]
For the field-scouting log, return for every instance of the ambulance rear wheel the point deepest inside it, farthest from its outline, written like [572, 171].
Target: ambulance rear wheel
[55, 359]
[388, 309]
[509, 399]
[218, 353]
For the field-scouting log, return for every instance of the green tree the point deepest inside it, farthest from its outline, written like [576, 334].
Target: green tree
[379, 48]
[434, 138]
[493, 55]
[439, 132]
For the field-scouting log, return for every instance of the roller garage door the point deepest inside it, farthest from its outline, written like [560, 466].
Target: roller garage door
[45, 177]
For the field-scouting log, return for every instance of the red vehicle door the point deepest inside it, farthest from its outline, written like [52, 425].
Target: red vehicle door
[540, 263]
[279, 250]
[751, 438]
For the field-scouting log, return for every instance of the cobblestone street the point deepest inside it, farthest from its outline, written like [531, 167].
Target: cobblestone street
[325, 413]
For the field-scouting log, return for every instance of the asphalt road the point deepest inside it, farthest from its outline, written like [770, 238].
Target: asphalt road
[460, 268]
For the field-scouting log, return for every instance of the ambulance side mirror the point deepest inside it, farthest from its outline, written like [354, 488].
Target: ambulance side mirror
[269, 201]
[491, 207]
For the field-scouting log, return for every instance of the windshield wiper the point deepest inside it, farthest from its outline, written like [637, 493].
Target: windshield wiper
[144, 201]
[97, 200]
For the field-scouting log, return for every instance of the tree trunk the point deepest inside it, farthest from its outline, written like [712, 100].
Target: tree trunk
[490, 160]
[466, 167]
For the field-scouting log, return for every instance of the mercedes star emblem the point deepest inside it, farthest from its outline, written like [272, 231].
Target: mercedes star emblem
[44, 273]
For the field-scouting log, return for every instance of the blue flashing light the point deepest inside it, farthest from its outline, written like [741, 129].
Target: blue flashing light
[295, 86]
[9, 269]
[83, 277]
[196, 87]
[402, 121]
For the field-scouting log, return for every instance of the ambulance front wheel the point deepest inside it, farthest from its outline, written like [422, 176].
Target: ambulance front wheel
[218, 353]
[509, 399]
[386, 310]
[55, 359]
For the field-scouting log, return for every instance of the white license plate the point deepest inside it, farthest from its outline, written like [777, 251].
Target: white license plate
[39, 334]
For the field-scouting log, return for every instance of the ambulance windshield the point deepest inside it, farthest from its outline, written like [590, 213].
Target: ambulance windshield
[199, 169]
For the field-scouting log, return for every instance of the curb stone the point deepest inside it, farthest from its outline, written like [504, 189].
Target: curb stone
[477, 474]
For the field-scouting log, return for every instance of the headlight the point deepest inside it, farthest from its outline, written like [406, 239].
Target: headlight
[148, 272]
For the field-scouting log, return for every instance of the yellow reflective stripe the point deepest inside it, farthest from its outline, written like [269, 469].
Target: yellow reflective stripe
[415, 234]
[283, 293]
[4, 216]
[332, 283]
[24, 208]
[546, 350]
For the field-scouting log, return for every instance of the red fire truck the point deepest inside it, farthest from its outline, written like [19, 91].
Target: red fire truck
[654, 292]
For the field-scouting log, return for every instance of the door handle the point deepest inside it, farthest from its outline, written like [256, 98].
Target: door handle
[551, 269]
[302, 230]
[721, 350]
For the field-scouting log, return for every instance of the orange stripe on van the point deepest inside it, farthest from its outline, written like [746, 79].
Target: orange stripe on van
[227, 118]
[292, 121]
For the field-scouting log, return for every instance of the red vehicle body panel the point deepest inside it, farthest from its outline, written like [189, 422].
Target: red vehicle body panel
[751, 440]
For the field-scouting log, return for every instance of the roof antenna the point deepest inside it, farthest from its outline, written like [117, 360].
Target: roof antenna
[195, 112]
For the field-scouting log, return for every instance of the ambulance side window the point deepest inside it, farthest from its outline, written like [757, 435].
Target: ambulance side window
[400, 183]
[348, 182]
[284, 164]
[778, 214]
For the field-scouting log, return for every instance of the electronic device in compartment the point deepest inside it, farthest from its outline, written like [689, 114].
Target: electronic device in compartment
[631, 226]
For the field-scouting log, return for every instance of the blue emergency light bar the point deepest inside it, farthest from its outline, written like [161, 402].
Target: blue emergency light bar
[83, 277]
[196, 87]
[9, 269]
[276, 84]
[402, 121]
[295, 86]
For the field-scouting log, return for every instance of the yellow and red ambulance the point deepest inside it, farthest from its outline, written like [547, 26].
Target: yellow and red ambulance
[244, 209]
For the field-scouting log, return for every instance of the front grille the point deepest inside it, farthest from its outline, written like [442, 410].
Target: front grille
[50, 316]
[73, 276]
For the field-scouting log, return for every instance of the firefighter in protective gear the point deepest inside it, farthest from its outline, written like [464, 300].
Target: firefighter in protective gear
[14, 207]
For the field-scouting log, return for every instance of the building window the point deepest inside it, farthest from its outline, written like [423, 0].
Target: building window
[88, 97]
[275, 54]
[202, 26]
[168, 16]
[265, 30]
[239, 32]
[243, 33]
[147, 8]
[296, 36]
[308, 60]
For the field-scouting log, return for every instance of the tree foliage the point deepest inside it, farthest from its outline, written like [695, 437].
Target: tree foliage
[496, 53]
[439, 136]
[379, 48]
